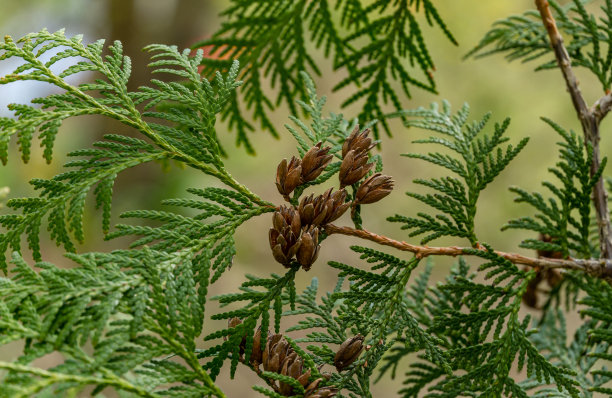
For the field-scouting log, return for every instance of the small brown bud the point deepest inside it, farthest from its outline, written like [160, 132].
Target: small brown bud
[348, 352]
[314, 162]
[309, 248]
[373, 189]
[284, 237]
[357, 141]
[323, 209]
[275, 352]
[288, 176]
[548, 253]
[354, 167]
[292, 367]
[553, 277]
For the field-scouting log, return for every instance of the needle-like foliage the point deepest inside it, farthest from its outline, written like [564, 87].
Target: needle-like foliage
[380, 45]
[475, 160]
[566, 216]
[136, 321]
[523, 37]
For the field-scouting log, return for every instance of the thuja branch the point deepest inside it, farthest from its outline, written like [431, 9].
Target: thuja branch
[55, 377]
[589, 119]
[598, 268]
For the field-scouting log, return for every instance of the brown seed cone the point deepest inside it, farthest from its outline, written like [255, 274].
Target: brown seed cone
[323, 392]
[553, 277]
[293, 367]
[288, 176]
[314, 162]
[348, 352]
[323, 209]
[354, 167]
[284, 236]
[257, 353]
[548, 253]
[373, 189]
[277, 349]
[357, 141]
[309, 249]
[232, 323]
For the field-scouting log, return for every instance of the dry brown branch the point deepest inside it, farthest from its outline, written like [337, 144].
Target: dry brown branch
[589, 119]
[599, 268]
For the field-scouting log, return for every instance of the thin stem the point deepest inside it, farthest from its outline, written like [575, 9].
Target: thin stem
[601, 268]
[589, 119]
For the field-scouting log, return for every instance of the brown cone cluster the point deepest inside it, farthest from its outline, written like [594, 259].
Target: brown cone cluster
[295, 231]
[348, 352]
[279, 357]
[551, 276]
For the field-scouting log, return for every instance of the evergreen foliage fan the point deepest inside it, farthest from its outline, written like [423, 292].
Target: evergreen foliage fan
[136, 320]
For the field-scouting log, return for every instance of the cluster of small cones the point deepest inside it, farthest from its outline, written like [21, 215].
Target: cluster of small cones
[278, 356]
[551, 276]
[295, 231]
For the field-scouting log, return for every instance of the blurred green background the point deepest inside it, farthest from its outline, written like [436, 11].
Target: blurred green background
[491, 84]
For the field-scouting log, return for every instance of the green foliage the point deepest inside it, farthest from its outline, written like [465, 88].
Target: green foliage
[480, 159]
[130, 316]
[379, 45]
[598, 331]
[589, 38]
[480, 326]
[185, 132]
[566, 216]
[551, 338]
[136, 320]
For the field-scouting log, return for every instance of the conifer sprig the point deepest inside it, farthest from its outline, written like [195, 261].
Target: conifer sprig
[184, 130]
[130, 307]
[523, 37]
[480, 159]
[566, 216]
[272, 40]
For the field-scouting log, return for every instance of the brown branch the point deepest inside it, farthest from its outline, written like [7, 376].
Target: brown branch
[599, 268]
[601, 108]
[589, 119]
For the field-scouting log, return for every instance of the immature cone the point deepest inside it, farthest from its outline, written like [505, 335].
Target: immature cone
[348, 352]
[275, 353]
[373, 189]
[323, 209]
[354, 167]
[285, 235]
[288, 176]
[309, 249]
[358, 141]
[314, 162]
[293, 367]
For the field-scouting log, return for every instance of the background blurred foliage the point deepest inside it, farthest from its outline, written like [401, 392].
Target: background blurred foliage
[490, 84]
